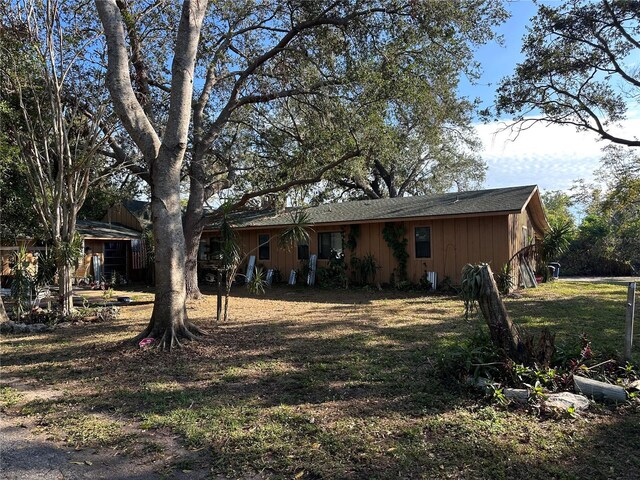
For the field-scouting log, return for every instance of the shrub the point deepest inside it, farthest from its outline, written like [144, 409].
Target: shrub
[257, 283]
[425, 283]
[334, 275]
[364, 269]
[504, 279]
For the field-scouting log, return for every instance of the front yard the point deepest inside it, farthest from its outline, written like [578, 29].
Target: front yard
[320, 384]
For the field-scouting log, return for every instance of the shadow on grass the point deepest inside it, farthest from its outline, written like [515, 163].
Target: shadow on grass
[345, 393]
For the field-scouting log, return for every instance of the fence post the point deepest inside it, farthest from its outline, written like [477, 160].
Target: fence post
[628, 332]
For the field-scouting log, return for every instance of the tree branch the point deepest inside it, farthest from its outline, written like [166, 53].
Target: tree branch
[286, 186]
[123, 96]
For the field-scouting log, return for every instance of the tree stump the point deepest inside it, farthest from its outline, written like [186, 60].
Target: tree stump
[504, 333]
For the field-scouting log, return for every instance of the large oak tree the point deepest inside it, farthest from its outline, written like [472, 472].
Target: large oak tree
[257, 58]
[247, 65]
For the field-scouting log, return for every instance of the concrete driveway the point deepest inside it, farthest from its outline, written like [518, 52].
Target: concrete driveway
[614, 280]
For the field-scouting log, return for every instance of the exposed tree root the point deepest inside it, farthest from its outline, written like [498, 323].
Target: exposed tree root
[170, 337]
[194, 294]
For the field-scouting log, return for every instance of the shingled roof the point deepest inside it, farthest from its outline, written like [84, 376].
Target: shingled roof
[499, 200]
[104, 230]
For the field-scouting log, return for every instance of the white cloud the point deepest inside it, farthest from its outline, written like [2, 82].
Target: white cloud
[551, 156]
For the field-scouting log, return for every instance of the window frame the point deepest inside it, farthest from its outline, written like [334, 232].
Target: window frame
[303, 244]
[266, 247]
[415, 242]
[320, 251]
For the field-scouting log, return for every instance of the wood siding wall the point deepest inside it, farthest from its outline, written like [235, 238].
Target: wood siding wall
[454, 243]
[517, 224]
[119, 214]
[7, 255]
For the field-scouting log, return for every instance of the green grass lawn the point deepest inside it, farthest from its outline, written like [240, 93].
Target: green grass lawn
[324, 384]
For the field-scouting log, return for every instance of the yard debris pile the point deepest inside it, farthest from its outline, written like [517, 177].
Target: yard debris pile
[586, 391]
[516, 368]
[39, 320]
[16, 327]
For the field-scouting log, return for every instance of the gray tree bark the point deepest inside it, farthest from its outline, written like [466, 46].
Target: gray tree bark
[65, 288]
[165, 156]
[504, 333]
[194, 225]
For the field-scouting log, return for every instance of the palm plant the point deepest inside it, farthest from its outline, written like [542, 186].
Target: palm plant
[297, 232]
[22, 282]
[555, 242]
[232, 257]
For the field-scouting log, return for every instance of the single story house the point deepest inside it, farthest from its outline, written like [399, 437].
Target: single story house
[444, 231]
[120, 251]
[116, 242]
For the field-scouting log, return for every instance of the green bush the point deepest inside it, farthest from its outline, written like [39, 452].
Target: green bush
[364, 269]
[334, 275]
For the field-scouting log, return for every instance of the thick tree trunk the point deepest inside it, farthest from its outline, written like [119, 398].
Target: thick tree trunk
[504, 333]
[65, 288]
[193, 227]
[168, 322]
[165, 156]
[192, 241]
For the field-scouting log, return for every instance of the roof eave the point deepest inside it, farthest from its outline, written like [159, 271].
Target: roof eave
[375, 220]
[538, 216]
[106, 237]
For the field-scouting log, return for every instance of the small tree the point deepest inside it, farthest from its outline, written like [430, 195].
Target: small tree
[57, 136]
[232, 257]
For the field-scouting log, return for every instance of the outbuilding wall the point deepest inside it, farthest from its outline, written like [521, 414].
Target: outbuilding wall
[522, 233]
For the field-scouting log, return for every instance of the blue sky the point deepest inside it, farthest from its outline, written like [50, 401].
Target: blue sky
[550, 156]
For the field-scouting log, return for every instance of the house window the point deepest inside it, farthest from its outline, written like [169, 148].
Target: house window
[263, 247]
[203, 250]
[423, 242]
[215, 248]
[328, 242]
[303, 250]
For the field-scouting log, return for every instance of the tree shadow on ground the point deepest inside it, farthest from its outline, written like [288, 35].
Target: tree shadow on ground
[347, 392]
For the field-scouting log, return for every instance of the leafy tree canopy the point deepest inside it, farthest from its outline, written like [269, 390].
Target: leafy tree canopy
[557, 206]
[607, 240]
[17, 215]
[580, 68]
